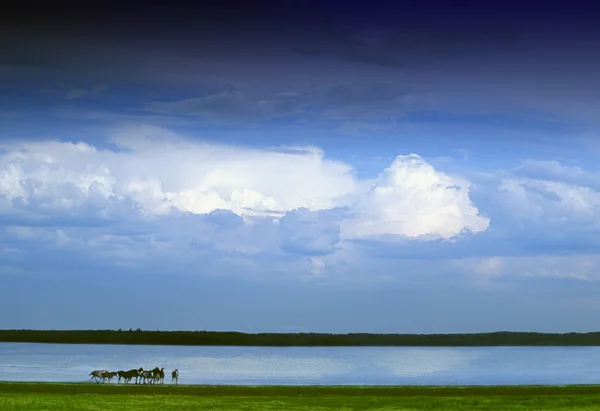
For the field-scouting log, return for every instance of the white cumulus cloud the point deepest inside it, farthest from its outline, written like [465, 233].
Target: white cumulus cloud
[412, 199]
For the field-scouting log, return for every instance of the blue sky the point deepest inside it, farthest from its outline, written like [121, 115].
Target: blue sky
[400, 172]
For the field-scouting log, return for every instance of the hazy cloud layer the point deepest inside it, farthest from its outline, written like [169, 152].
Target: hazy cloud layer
[350, 74]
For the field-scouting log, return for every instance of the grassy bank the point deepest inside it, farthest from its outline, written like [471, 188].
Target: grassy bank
[50, 396]
[297, 339]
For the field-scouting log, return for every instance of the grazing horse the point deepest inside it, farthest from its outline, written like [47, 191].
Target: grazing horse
[98, 374]
[175, 376]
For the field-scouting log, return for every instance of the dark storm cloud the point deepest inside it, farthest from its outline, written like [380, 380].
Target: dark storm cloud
[261, 61]
[410, 46]
[237, 20]
[375, 32]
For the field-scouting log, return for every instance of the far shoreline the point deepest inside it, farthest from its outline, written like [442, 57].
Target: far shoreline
[224, 338]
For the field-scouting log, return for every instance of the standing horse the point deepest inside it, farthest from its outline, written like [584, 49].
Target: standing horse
[175, 376]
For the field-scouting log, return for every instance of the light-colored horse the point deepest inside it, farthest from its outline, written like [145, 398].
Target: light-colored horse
[146, 376]
[175, 376]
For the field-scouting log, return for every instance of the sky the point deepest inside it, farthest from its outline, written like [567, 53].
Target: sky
[300, 167]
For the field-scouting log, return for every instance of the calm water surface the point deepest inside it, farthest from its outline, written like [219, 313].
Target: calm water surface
[309, 365]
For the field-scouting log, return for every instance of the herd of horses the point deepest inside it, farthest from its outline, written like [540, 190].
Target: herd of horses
[155, 376]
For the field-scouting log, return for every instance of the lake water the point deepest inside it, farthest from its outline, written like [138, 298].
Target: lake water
[309, 365]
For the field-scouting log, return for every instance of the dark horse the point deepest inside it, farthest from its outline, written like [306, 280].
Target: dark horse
[128, 375]
[158, 375]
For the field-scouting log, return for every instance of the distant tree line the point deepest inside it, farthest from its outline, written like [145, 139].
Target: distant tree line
[141, 337]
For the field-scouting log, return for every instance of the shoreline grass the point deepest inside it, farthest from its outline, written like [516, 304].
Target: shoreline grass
[298, 390]
[29, 396]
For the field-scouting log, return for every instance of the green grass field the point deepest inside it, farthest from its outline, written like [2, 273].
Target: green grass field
[105, 397]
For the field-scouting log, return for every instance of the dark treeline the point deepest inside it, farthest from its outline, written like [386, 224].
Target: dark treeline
[300, 339]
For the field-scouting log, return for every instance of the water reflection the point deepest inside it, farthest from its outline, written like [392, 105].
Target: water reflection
[413, 362]
[267, 367]
[309, 365]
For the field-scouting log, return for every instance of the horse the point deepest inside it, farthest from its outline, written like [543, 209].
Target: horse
[147, 376]
[98, 374]
[155, 375]
[138, 375]
[175, 376]
[121, 374]
[108, 375]
[158, 375]
[128, 375]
